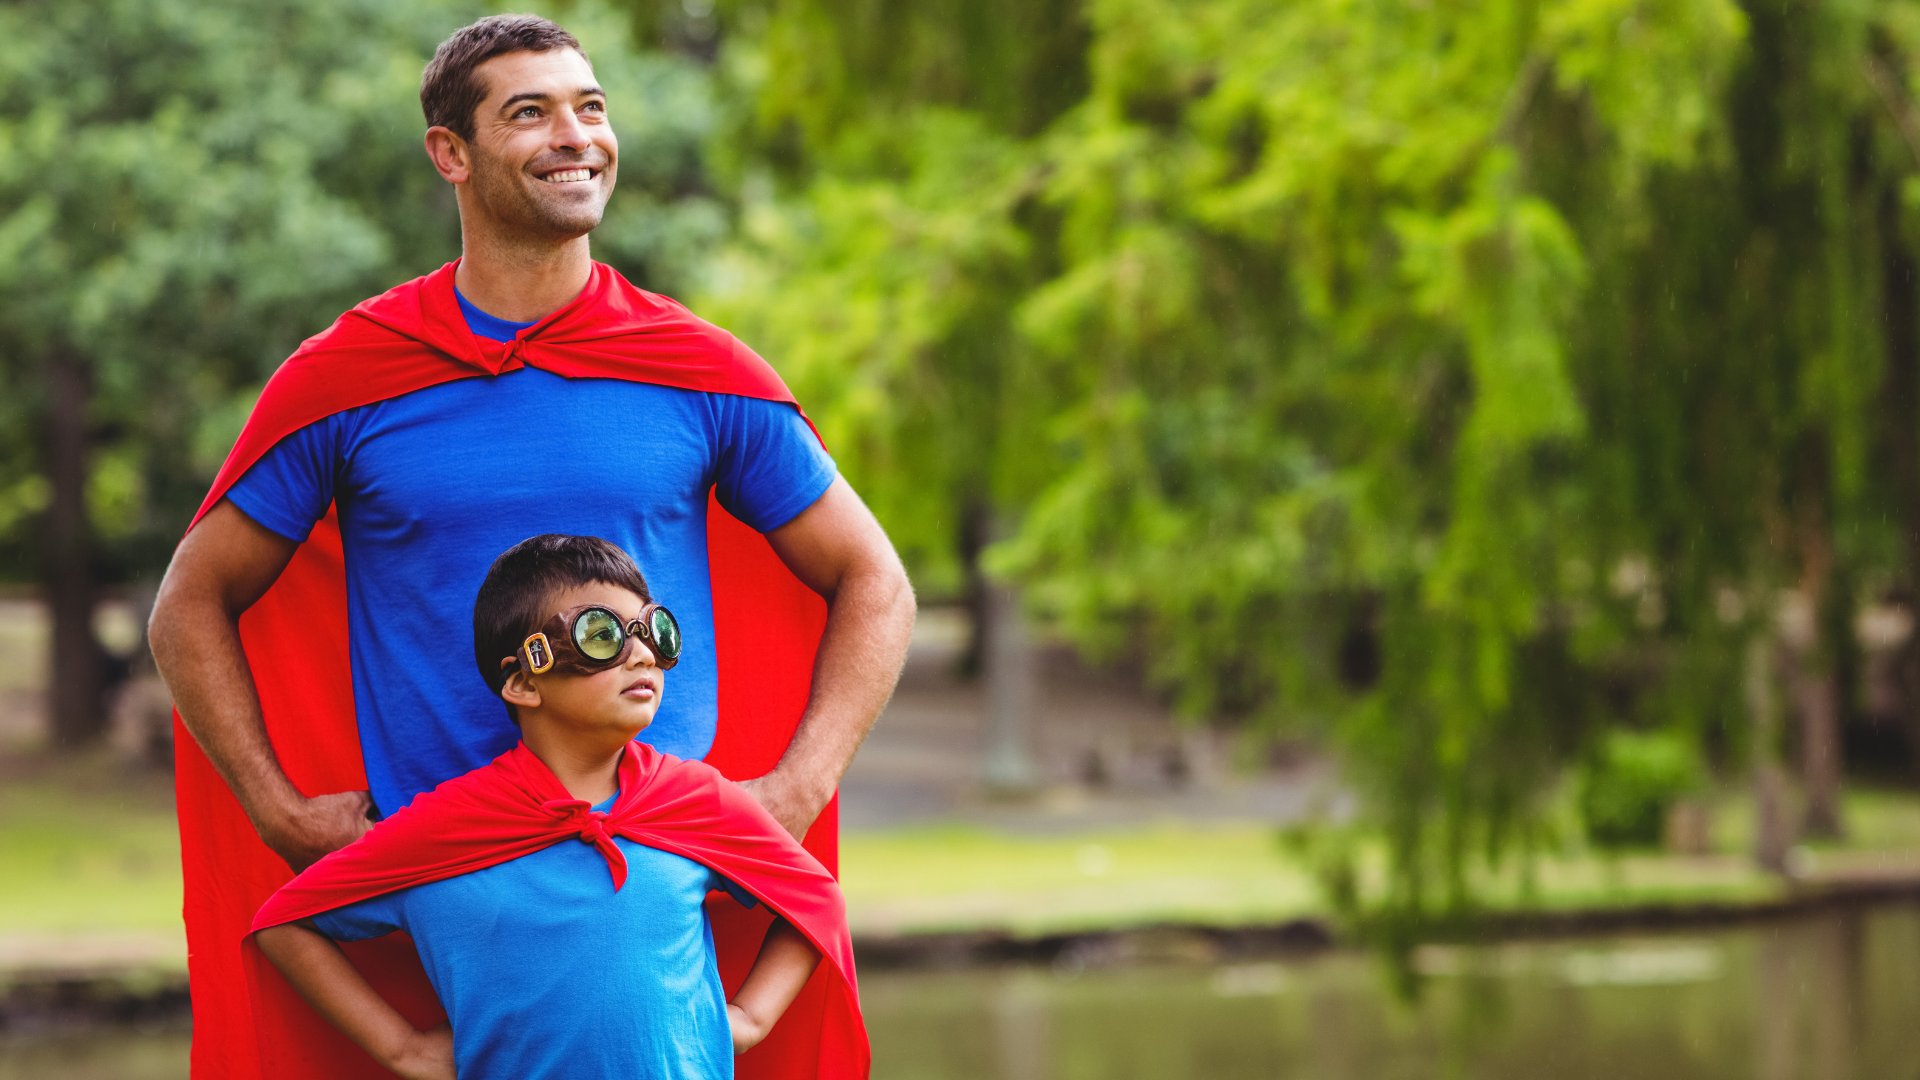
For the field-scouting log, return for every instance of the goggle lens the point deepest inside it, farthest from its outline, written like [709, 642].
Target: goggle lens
[598, 634]
[666, 636]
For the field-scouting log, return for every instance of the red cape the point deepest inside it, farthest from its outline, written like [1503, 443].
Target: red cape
[766, 626]
[515, 806]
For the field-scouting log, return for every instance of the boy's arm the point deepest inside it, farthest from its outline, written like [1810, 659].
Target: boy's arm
[786, 961]
[321, 972]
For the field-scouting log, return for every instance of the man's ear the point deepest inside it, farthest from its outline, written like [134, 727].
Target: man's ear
[519, 690]
[450, 154]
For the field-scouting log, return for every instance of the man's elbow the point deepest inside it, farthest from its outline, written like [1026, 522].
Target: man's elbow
[164, 620]
[188, 607]
[172, 619]
[894, 590]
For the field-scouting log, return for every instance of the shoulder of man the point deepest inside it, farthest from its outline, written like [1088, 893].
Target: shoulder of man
[375, 351]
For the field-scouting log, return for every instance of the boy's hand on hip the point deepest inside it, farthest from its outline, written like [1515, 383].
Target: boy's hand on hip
[428, 1056]
[315, 827]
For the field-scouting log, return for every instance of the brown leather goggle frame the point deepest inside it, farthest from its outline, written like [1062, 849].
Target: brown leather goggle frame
[552, 647]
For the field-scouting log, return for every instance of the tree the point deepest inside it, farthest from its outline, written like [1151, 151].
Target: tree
[179, 213]
[1456, 382]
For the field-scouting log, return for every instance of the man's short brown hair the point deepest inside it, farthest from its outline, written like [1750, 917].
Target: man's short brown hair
[449, 92]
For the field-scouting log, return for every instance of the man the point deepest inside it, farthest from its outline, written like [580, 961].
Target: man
[523, 389]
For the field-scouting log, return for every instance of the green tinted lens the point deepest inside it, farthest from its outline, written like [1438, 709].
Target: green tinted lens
[666, 634]
[598, 635]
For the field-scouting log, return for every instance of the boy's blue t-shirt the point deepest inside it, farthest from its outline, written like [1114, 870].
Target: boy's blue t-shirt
[433, 485]
[546, 972]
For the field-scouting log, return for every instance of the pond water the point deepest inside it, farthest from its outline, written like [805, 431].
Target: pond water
[1832, 996]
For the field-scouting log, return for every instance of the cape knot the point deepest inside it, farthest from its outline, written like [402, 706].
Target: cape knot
[500, 357]
[511, 360]
[592, 824]
[591, 828]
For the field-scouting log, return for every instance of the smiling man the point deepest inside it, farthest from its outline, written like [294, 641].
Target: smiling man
[521, 389]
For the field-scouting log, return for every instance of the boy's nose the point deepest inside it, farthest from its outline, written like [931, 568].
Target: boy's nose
[641, 654]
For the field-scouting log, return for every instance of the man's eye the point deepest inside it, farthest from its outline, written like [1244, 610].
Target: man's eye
[527, 112]
[594, 106]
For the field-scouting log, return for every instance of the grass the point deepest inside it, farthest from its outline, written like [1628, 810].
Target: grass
[89, 858]
[86, 844]
[959, 878]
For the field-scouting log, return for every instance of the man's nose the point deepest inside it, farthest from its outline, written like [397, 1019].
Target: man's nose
[568, 133]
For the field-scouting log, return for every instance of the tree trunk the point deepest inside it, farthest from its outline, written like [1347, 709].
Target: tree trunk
[1011, 676]
[76, 691]
[976, 527]
[1770, 839]
[1901, 398]
[1815, 690]
[1817, 698]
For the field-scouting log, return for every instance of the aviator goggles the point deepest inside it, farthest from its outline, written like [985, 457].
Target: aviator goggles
[592, 638]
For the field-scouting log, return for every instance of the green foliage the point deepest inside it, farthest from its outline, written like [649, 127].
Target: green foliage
[1630, 782]
[187, 190]
[1454, 381]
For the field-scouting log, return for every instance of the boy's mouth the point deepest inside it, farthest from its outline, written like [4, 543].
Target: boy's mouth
[644, 689]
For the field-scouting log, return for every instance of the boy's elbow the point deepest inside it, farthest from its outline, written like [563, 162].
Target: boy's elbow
[274, 941]
[283, 942]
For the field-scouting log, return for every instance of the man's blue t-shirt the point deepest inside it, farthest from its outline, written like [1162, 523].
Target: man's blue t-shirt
[433, 485]
[546, 972]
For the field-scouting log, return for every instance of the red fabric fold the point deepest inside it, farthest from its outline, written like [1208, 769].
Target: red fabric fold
[515, 806]
[766, 625]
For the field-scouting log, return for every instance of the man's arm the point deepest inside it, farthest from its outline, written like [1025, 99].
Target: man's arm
[222, 566]
[837, 548]
[779, 973]
[335, 988]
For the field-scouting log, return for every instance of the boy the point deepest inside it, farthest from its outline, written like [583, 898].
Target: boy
[544, 966]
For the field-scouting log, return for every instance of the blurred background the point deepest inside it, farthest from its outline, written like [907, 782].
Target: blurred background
[1416, 505]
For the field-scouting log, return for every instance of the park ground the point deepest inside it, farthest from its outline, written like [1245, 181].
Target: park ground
[1136, 824]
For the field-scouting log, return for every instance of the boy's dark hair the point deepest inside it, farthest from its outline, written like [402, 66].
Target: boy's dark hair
[449, 91]
[517, 595]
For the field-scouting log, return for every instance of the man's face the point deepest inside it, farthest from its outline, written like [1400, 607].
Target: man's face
[543, 153]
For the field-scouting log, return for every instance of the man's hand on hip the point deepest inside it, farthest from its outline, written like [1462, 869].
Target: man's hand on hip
[314, 827]
[788, 801]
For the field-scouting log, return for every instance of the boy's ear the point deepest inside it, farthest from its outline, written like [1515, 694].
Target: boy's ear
[518, 690]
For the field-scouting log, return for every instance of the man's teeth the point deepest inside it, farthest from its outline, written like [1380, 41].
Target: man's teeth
[569, 176]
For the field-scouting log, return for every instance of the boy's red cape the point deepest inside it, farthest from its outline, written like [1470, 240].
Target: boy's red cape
[766, 623]
[515, 806]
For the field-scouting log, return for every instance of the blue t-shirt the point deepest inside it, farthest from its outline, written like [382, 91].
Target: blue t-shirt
[433, 485]
[546, 972]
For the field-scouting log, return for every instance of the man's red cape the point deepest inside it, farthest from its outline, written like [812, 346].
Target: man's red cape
[766, 625]
[515, 806]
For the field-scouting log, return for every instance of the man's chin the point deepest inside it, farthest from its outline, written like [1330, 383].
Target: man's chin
[570, 226]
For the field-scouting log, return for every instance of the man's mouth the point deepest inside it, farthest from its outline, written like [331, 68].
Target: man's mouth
[568, 176]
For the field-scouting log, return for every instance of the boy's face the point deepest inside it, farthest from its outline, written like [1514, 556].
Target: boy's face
[619, 700]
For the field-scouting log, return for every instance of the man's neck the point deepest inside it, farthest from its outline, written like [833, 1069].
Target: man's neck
[521, 283]
[589, 773]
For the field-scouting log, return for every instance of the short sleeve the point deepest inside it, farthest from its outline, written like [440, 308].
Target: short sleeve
[290, 487]
[370, 918]
[770, 466]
